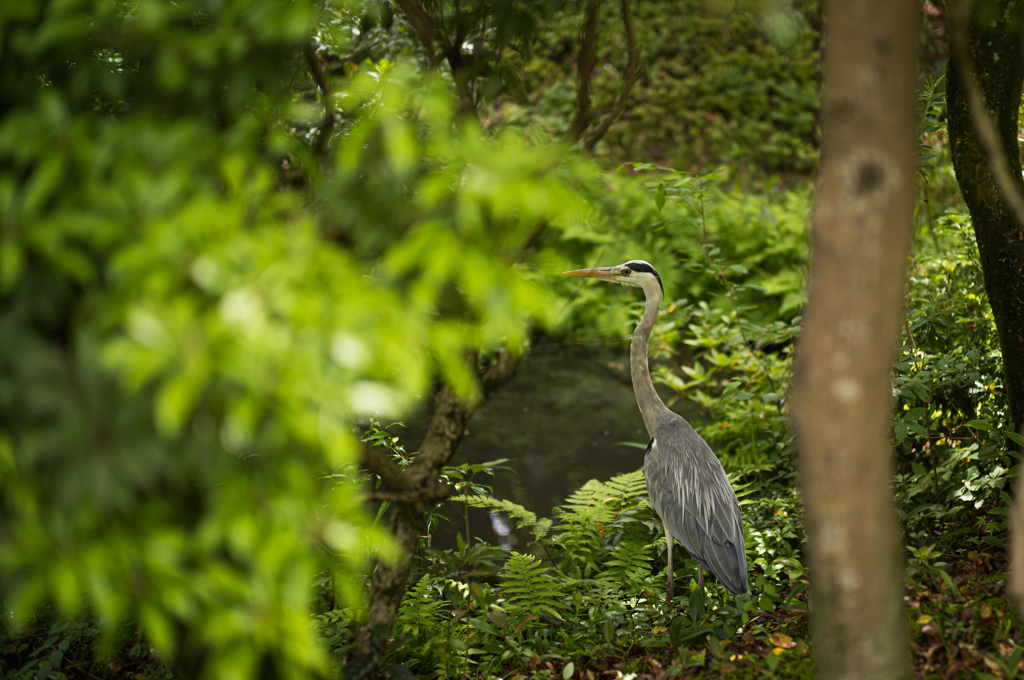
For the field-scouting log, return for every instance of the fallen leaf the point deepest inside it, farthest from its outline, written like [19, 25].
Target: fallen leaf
[928, 629]
[986, 611]
[778, 651]
[780, 640]
[923, 619]
[993, 664]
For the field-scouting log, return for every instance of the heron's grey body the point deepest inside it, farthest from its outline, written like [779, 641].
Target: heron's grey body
[685, 480]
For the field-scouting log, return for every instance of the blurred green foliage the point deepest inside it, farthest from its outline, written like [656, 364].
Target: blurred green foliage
[196, 308]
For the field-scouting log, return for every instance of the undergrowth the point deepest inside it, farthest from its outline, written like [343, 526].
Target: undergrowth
[587, 592]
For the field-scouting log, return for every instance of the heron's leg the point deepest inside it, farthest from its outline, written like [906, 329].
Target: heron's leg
[700, 578]
[671, 582]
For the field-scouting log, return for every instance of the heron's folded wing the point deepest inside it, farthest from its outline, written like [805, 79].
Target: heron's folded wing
[691, 493]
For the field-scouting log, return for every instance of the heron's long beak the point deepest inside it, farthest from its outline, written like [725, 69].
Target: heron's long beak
[604, 273]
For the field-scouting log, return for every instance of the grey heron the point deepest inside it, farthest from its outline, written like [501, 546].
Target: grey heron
[685, 480]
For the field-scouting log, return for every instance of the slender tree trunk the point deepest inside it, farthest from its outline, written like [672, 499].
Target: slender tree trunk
[387, 587]
[985, 66]
[862, 230]
[420, 482]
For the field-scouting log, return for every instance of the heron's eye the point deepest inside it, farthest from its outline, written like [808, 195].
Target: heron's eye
[626, 271]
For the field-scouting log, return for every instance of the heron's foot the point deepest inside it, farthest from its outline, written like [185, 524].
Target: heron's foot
[671, 589]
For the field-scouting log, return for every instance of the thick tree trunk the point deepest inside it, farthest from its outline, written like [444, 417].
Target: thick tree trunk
[995, 50]
[862, 229]
[986, 157]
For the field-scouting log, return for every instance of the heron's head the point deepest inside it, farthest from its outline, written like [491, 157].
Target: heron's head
[635, 273]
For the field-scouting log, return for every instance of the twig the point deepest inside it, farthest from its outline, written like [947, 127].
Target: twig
[584, 72]
[906, 324]
[632, 70]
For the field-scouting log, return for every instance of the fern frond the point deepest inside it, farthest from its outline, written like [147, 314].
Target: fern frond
[541, 529]
[629, 486]
[522, 517]
[422, 606]
[589, 503]
[530, 589]
[630, 558]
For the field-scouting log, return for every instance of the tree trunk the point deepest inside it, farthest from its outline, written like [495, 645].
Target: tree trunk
[998, 71]
[420, 481]
[387, 586]
[861, 228]
[990, 180]
[995, 51]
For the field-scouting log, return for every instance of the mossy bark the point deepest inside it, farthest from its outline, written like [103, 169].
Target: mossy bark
[994, 46]
[861, 228]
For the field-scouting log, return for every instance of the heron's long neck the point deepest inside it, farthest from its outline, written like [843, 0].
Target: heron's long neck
[646, 398]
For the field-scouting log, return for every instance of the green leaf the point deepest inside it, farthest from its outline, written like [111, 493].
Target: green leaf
[993, 541]
[980, 425]
[949, 581]
[914, 414]
[696, 604]
[569, 669]
[12, 264]
[1015, 438]
[900, 430]
[659, 197]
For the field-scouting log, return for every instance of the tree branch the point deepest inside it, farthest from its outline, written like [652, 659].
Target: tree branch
[421, 22]
[379, 464]
[327, 124]
[632, 71]
[584, 72]
[495, 377]
[434, 494]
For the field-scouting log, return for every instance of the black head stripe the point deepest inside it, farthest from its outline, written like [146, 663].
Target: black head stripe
[644, 267]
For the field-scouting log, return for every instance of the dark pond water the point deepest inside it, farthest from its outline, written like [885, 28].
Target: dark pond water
[567, 416]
